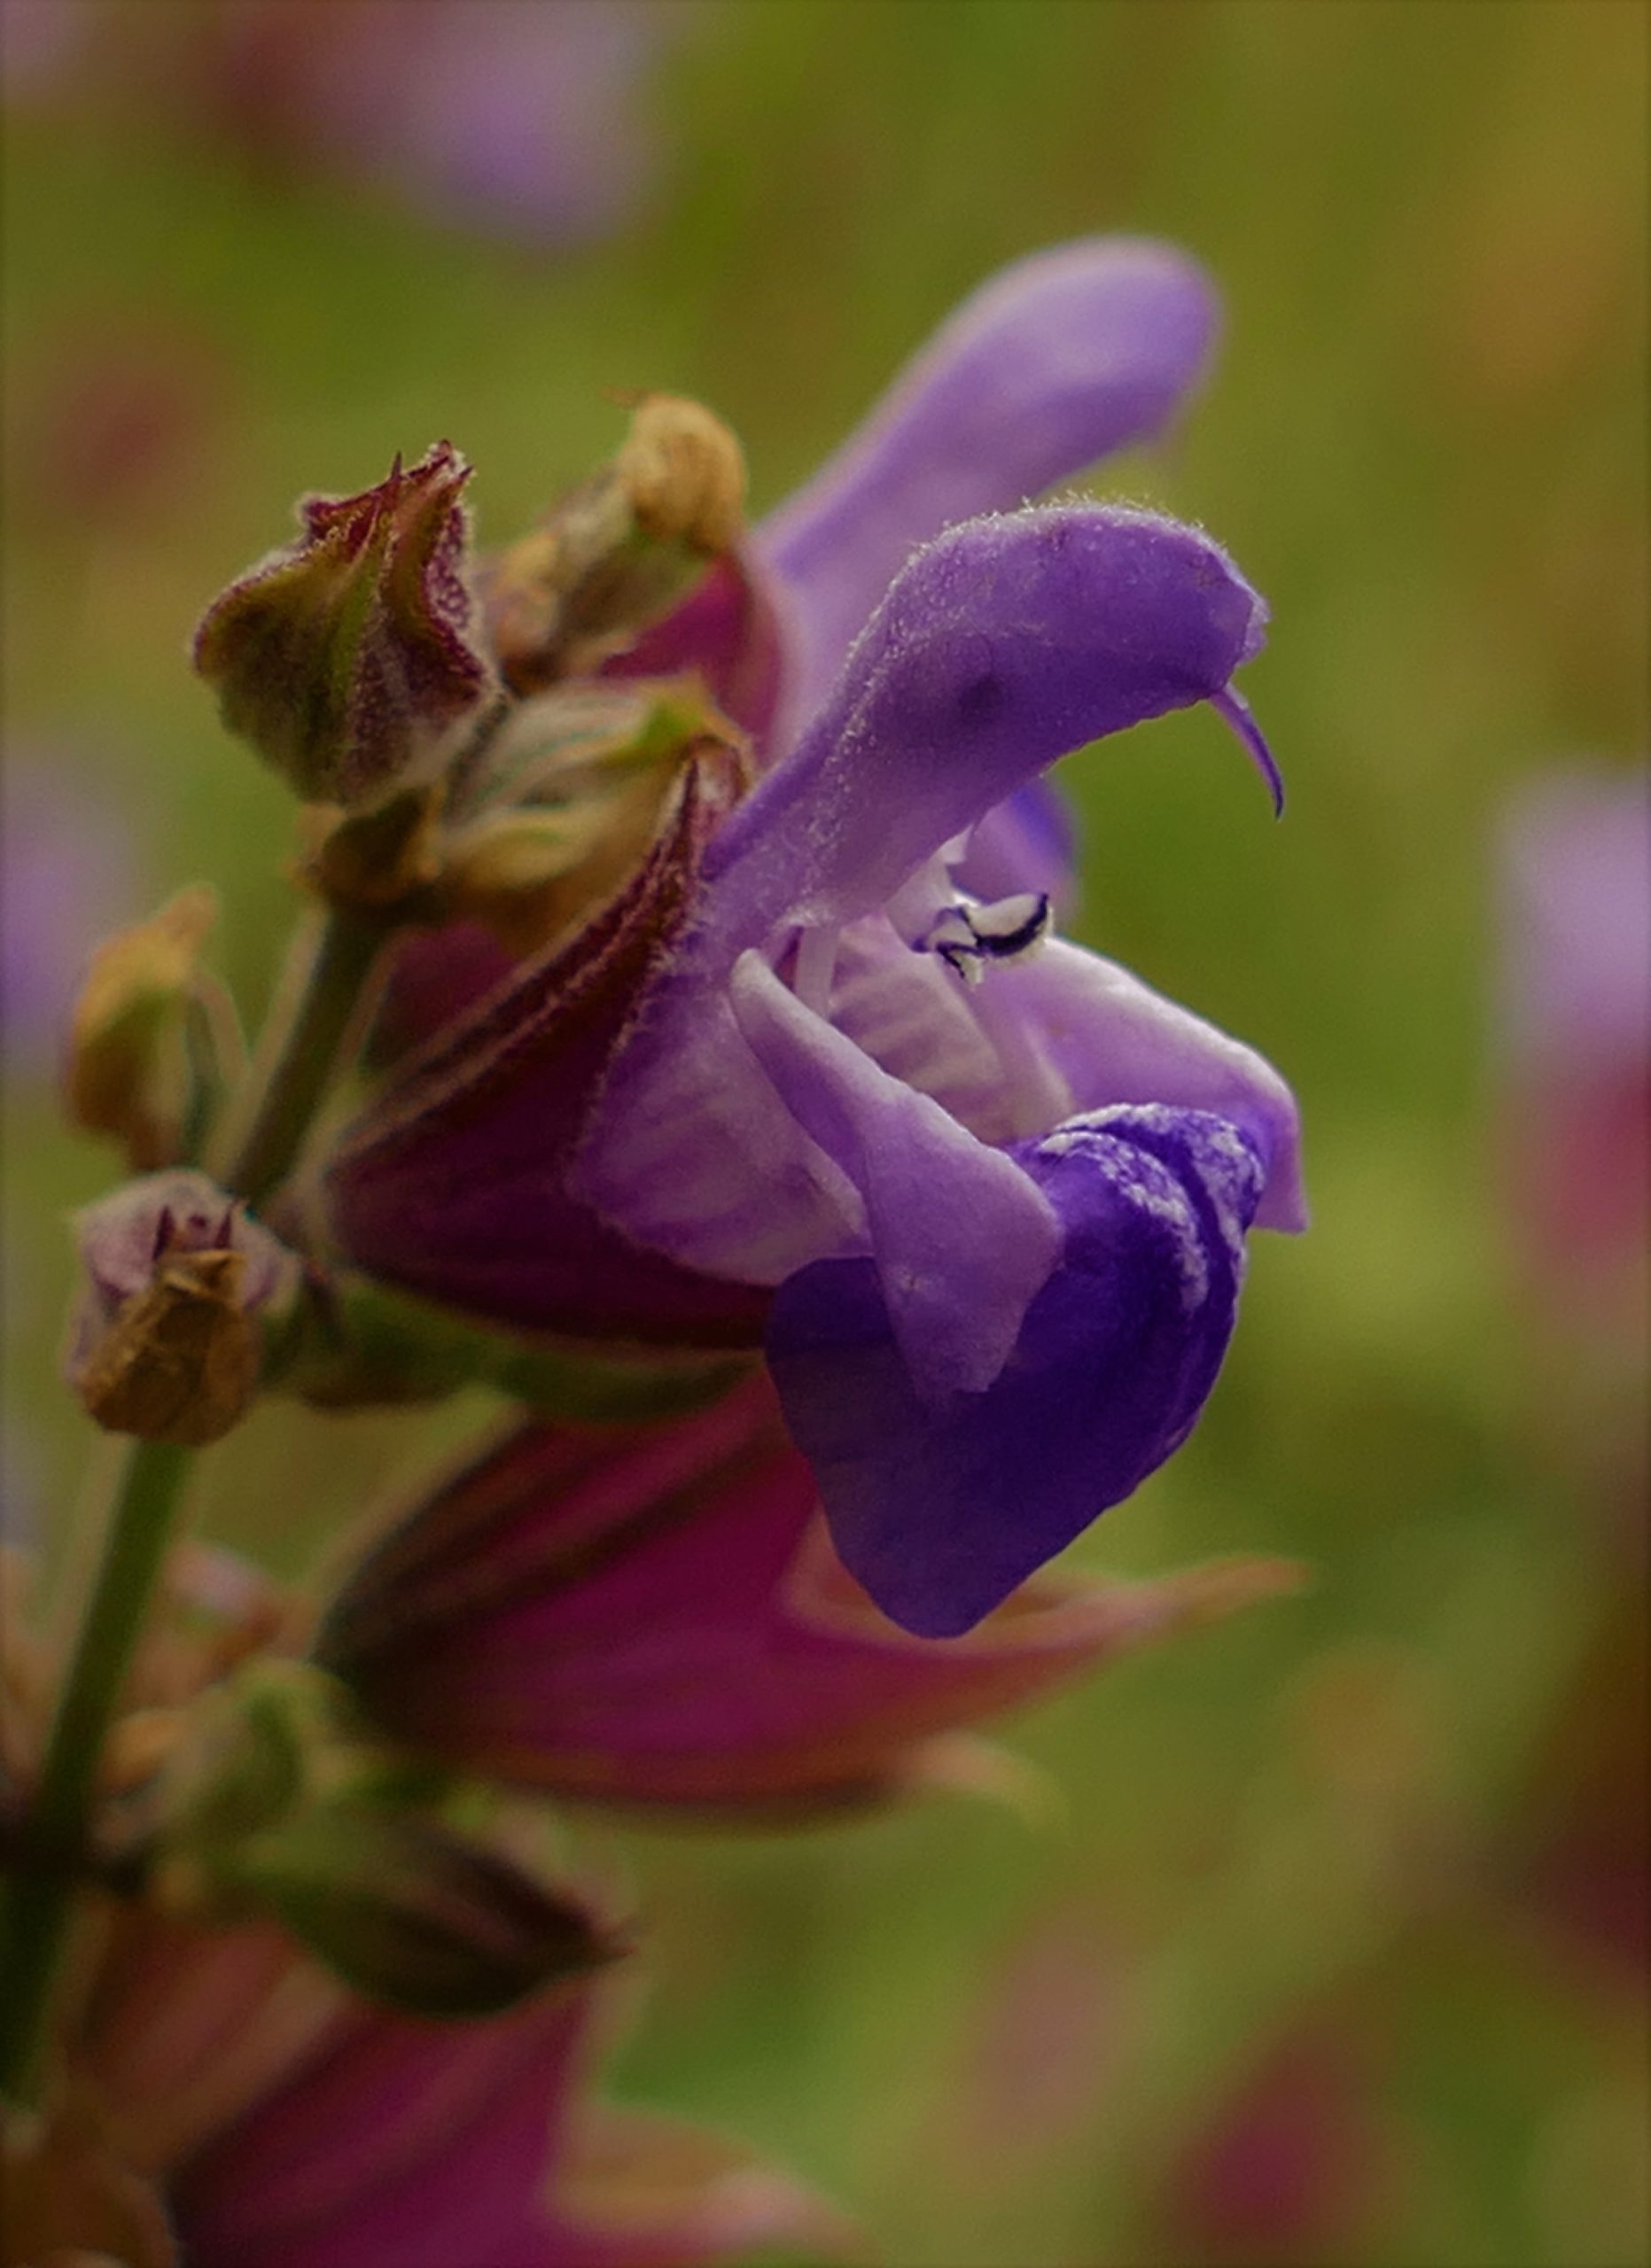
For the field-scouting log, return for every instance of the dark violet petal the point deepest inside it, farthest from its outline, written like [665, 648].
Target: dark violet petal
[1002, 646]
[940, 1512]
[955, 1302]
[1063, 358]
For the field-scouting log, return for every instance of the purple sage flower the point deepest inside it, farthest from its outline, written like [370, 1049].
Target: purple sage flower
[65, 881]
[987, 1190]
[514, 118]
[1575, 1041]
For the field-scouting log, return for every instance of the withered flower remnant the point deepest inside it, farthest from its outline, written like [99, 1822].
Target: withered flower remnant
[350, 659]
[609, 556]
[176, 1281]
[128, 1072]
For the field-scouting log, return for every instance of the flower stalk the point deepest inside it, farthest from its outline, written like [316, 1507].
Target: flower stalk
[316, 1007]
[34, 1903]
[317, 1003]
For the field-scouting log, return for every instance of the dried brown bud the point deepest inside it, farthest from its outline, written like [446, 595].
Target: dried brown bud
[180, 1363]
[685, 474]
[617, 548]
[347, 659]
[128, 1071]
[167, 1340]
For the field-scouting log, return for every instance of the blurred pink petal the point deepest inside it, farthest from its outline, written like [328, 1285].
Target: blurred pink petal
[660, 1619]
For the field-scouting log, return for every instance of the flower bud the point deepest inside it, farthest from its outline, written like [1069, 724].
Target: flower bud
[167, 1340]
[431, 1895]
[617, 549]
[348, 659]
[577, 787]
[129, 1072]
[684, 471]
[416, 1915]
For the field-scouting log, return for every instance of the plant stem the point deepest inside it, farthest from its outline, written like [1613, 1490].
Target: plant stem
[34, 1906]
[320, 993]
[316, 1003]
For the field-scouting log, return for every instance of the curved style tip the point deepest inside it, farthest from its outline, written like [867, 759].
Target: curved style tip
[1236, 712]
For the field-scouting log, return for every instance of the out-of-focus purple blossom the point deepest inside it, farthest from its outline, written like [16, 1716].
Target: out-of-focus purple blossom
[41, 41]
[660, 1621]
[519, 118]
[1287, 2170]
[1576, 867]
[1000, 1187]
[1576, 1038]
[66, 880]
[522, 119]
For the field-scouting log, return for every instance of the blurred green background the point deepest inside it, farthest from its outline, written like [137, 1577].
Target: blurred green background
[1274, 1977]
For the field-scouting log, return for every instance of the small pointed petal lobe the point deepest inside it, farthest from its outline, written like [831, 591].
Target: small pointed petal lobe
[1062, 359]
[637, 2190]
[940, 1512]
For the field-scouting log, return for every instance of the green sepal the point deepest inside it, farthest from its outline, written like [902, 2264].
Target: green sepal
[412, 1914]
[352, 1342]
[388, 1869]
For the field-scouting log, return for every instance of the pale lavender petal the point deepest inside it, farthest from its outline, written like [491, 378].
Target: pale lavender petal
[1113, 1039]
[1061, 359]
[962, 1239]
[942, 1511]
[1577, 880]
[66, 880]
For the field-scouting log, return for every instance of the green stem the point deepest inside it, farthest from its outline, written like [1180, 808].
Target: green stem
[36, 1905]
[316, 1005]
[300, 1048]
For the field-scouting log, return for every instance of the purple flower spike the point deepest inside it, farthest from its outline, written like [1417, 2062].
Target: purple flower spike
[1062, 359]
[942, 1509]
